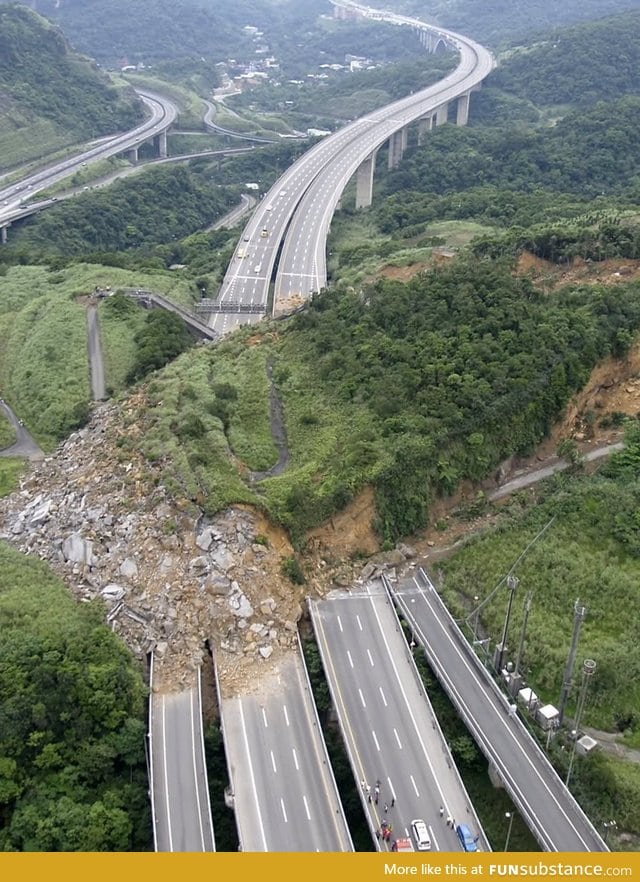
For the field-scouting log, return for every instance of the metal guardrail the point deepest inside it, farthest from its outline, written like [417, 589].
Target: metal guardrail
[208, 307]
[204, 760]
[150, 745]
[325, 752]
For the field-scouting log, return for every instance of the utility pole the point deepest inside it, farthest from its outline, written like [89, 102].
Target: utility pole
[512, 583]
[525, 619]
[588, 669]
[579, 614]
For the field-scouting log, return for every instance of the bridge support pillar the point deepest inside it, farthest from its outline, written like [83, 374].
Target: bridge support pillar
[133, 155]
[364, 181]
[162, 145]
[462, 115]
[397, 143]
[494, 777]
[3, 236]
[442, 114]
[424, 125]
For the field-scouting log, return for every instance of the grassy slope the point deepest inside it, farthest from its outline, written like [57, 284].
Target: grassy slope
[7, 432]
[51, 97]
[10, 470]
[577, 557]
[44, 368]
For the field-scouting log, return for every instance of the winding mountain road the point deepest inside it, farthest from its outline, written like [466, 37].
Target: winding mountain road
[25, 444]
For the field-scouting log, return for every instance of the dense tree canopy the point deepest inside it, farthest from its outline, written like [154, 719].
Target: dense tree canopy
[587, 152]
[456, 369]
[499, 20]
[41, 77]
[72, 768]
[579, 66]
[163, 337]
[161, 205]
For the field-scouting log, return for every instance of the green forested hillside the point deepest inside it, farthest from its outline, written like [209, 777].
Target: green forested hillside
[161, 205]
[588, 153]
[153, 29]
[499, 20]
[49, 96]
[409, 387]
[116, 31]
[72, 729]
[581, 65]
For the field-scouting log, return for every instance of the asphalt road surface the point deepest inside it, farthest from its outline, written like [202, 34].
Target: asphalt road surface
[290, 214]
[162, 112]
[96, 363]
[25, 444]
[182, 815]
[284, 792]
[388, 724]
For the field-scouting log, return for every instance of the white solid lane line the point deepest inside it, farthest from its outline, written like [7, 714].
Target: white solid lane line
[195, 770]
[166, 777]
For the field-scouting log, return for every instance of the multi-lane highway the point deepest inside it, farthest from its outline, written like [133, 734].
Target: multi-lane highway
[389, 728]
[179, 791]
[13, 197]
[297, 211]
[284, 793]
[545, 803]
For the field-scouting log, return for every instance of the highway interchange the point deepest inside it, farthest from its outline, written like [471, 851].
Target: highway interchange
[297, 210]
[14, 196]
[288, 801]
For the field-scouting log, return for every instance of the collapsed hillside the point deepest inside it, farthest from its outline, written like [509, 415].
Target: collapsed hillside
[115, 526]
[170, 579]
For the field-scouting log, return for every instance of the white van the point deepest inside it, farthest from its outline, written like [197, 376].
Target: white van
[257, 268]
[421, 835]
